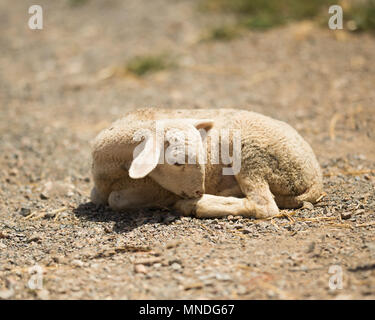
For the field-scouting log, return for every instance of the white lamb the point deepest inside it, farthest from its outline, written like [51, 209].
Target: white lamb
[277, 166]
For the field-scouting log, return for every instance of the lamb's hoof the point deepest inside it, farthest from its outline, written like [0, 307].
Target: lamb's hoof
[266, 212]
[261, 207]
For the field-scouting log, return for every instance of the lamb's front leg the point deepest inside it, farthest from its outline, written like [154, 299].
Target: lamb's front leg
[211, 206]
[127, 199]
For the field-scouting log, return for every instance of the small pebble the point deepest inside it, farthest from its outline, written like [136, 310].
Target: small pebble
[13, 172]
[24, 211]
[6, 294]
[271, 294]
[311, 247]
[35, 238]
[176, 266]
[140, 268]
[359, 211]
[223, 277]
[3, 235]
[43, 294]
[173, 244]
[246, 230]
[346, 215]
[241, 290]
[77, 263]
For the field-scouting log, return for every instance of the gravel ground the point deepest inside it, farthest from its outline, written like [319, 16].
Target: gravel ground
[60, 86]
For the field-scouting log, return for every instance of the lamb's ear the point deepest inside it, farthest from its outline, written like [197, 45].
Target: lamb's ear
[205, 124]
[145, 160]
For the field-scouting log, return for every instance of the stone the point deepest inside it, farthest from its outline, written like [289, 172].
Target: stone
[140, 268]
[56, 189]
[176, 266]
[6, 294]
[346, 215]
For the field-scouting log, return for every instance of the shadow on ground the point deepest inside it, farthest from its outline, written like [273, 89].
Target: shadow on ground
[124, 221]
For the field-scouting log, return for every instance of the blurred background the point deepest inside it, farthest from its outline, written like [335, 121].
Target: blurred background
[94, 60]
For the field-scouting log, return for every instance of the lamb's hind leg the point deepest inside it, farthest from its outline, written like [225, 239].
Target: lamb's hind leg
[290, 202]
[259, 197]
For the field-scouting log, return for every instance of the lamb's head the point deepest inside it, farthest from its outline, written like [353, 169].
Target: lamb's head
[172, 154]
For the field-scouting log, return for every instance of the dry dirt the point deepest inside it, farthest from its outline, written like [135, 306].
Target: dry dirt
[61, 85]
